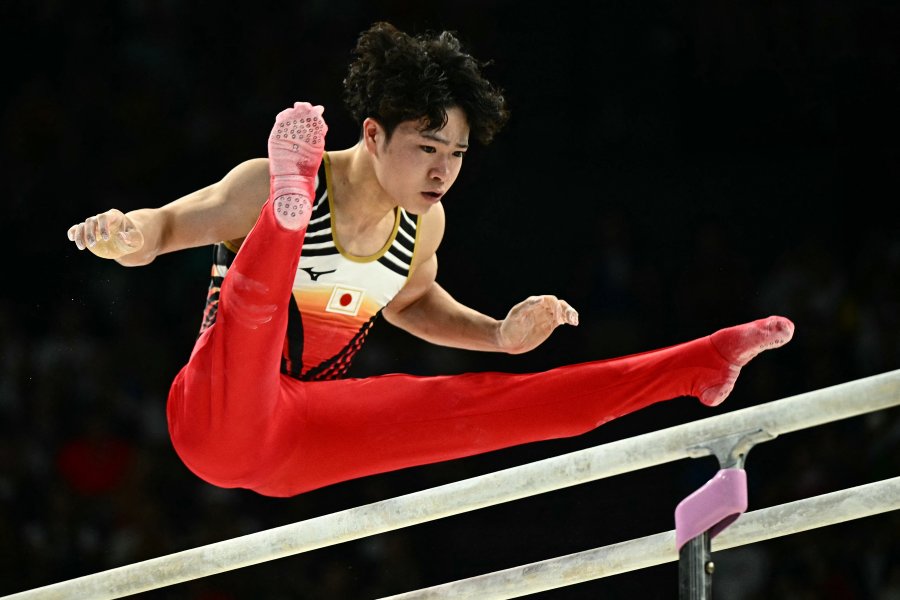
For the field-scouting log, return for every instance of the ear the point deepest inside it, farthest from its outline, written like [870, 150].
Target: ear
[373, 134]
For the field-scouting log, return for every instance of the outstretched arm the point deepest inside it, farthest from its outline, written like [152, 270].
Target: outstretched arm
[225, 210]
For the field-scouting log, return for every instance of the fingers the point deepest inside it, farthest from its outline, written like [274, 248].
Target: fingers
[559, 311]
[97, 228]
[531, 321]
[570, 315]
[85, 234]
[82, 234]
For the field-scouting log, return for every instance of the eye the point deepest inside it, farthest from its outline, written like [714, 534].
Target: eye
[428, 149]
[459, 153]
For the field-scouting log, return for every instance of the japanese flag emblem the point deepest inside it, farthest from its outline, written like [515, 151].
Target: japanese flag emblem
[345, 300]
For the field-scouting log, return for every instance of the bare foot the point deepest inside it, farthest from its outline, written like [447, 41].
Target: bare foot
[739, 344]
[295, 145]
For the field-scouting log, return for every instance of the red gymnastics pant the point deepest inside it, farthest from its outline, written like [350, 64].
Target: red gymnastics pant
[237, 421]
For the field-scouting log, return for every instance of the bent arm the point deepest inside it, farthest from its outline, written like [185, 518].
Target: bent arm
[426, 310]
[225, 210]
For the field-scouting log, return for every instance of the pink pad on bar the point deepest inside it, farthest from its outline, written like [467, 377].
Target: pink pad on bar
[713, 507]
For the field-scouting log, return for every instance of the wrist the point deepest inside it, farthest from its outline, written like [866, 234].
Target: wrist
[504, 341]
[499, 344]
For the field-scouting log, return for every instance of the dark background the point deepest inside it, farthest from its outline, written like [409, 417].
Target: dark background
[670, 168]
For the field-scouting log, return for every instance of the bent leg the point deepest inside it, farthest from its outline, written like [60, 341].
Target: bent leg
[221, 403]
[351, 428]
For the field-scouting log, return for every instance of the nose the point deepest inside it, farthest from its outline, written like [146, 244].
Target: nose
[440, 169]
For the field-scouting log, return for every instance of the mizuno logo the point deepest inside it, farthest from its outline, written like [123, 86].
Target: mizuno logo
[314, 275]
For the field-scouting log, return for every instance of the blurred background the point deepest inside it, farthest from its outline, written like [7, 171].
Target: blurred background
[670, 168]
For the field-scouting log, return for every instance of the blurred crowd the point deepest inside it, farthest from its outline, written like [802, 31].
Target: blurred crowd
[768, 197]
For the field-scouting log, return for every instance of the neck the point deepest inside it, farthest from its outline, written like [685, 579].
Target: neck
[363, 211]
[357, 192]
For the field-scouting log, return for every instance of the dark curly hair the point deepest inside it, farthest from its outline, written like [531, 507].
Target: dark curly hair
[397, 77]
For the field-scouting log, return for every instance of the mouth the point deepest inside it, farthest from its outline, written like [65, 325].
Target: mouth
[432, 196]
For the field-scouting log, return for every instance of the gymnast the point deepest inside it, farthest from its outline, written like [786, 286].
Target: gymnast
[312, 247]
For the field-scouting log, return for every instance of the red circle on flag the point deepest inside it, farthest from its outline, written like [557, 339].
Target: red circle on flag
[345, 299]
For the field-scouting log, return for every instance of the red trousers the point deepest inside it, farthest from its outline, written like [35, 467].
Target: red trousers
[236, 421]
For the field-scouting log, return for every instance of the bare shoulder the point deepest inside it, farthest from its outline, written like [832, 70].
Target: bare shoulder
[243, 191]
[249, 177]
[431, 231]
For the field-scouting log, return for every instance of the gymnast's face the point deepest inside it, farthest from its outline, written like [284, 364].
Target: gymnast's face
[417, 167]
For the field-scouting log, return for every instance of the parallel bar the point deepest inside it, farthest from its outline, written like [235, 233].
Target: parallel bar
[780, 416]
[756, 526]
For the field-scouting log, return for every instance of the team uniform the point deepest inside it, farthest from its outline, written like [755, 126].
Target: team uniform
[337, 297]
[264, 402]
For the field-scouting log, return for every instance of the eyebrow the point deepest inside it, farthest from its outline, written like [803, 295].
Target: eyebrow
[434, 136]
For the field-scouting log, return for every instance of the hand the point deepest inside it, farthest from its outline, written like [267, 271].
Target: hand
[530, 322]
[108, 235]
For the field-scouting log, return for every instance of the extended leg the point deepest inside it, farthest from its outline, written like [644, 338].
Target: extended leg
[222, 400]
[343, 429]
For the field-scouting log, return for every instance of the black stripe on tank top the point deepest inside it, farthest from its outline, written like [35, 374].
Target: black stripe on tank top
[393, 267]
[331, 249]
[408, 227]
